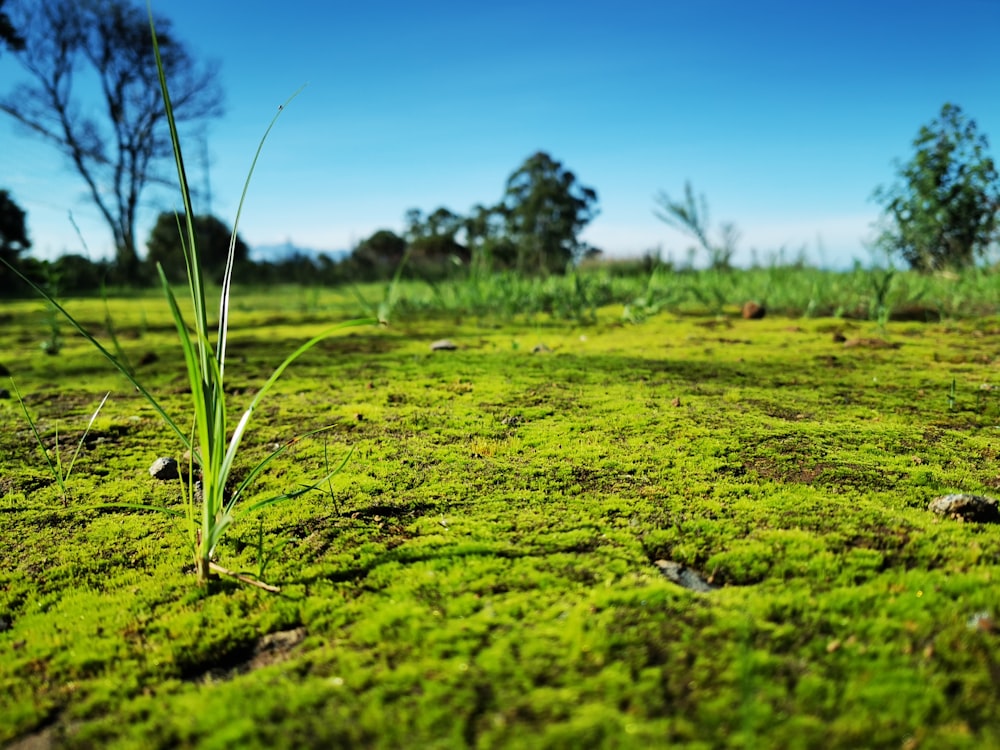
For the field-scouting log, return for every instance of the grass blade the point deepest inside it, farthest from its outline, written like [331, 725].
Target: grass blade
[55, 473]
[228, 276]
[90, 424]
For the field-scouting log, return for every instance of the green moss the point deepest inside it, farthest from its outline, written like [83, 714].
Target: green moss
[482, 572]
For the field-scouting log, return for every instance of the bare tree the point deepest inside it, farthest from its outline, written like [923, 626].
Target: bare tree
[691, 217]
[117, 145]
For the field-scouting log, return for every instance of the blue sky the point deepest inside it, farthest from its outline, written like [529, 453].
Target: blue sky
[785, 114]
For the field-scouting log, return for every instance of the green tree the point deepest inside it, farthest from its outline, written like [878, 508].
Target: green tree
[13, 230]
[545, 208]
[478, 225]
[486, 238]
[378, 255]
[117, 145]
[440, 222]
[690, 216]
[431, 239]
[77, 274]
[165, 247]
[13, 237]
[416, 225]
[943, 211]
[443, 222]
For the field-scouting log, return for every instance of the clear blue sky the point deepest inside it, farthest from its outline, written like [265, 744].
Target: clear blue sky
[785, 113]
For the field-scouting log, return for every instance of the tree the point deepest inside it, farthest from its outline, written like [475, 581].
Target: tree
[13, 232]
[440, 222]
[380, 254]
[690, 216]
[485, 236]
[8, 34]
[415, 224]
[213, 237]
[943, 211]
[13, 236]
[78, 274]
[117, 146]
[431, 240]
[443, 222]
[545, 208]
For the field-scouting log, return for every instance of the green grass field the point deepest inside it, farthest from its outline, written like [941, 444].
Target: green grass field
[483, 572]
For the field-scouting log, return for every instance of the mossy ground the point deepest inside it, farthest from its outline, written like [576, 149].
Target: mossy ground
[482, 573]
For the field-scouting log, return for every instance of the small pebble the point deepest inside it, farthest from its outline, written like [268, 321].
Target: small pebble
[683, 576]
[164, 469]
[970, 508]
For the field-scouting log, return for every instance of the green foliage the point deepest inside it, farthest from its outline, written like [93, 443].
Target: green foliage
[442, 222]
[644, 289]
[436, 255]
[691, 217]
[544, 209]
[378, 256]
[943, 212]
[78, 274]
[880, 309]
[13, 230]
[13, 235]
[433, 249]
[491, 249]
[533, 230]
[53, 457]
[214, 239]
[51, 279]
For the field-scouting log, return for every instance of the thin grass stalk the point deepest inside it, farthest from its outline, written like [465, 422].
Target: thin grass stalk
[227, 277]
[38, 438]
[206, 365]
[56, 468]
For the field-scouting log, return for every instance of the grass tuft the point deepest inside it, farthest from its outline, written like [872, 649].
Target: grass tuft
[212, 442]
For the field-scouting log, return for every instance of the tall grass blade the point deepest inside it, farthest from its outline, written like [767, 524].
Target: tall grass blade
[227, 278]
[206, 364]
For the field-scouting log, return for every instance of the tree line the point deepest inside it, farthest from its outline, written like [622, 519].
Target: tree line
[942, 211]
[533, 230]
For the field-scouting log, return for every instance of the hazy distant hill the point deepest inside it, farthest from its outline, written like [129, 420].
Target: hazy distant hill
[278, 253]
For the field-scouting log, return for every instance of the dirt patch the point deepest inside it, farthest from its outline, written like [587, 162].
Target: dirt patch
[267, 650]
